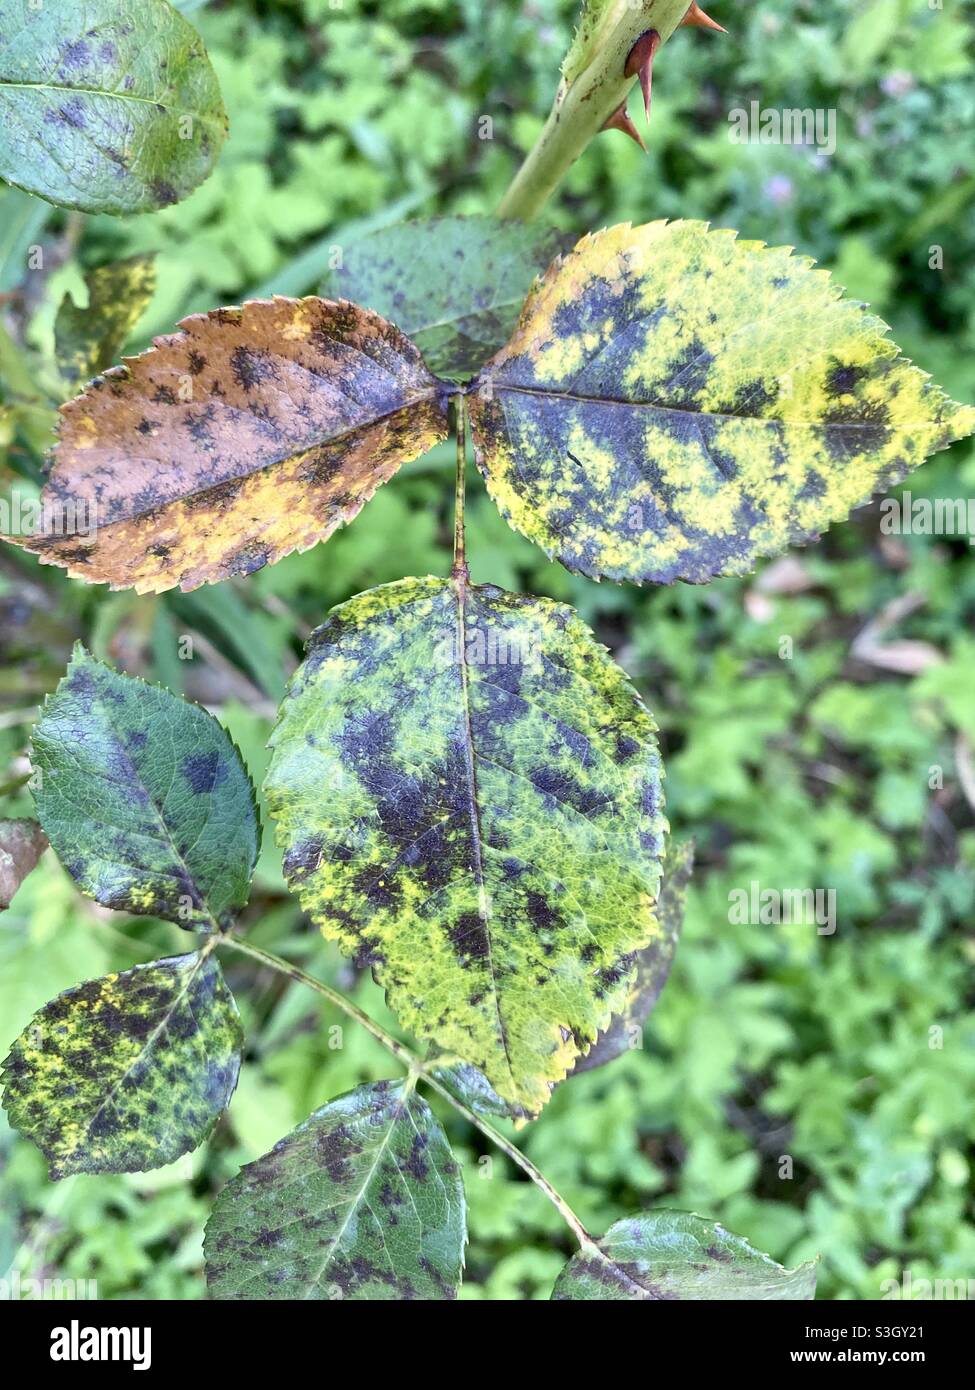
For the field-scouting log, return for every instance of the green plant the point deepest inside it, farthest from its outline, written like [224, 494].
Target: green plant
[747, 461]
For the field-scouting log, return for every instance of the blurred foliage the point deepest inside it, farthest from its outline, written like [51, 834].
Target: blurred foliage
[821, 769]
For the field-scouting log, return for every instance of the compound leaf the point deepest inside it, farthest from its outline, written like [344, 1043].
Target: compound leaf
[144, 798]
[676, 404]
[674, 1255]
[252, 433]
[363, 1200]
[22, 842]
[652, 963]
[491, 836]
[87, 340]
[106, 107]
[454, 284]
[128, 1072]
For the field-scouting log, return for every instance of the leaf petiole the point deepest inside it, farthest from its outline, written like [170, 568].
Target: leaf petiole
[417, 1072]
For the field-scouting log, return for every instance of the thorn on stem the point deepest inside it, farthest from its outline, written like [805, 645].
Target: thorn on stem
[640, 61]
[695, 15]
[620, 120]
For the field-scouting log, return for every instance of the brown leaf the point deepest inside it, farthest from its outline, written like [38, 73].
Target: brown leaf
[22, 842]
[904, 655]
[251, 433]
[786, 575]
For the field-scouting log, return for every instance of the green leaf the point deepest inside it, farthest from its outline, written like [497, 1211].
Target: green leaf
[127, 1072]
[652, 963]
[673, 1255]
[677, 404]
[144, 798]
[455, 285]
[253, 432]
[106, 107]
[88, 340]
[491, 836]
[22, 842]
[363, 1200]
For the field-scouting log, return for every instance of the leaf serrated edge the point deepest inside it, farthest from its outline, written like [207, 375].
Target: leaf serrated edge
[80, 653]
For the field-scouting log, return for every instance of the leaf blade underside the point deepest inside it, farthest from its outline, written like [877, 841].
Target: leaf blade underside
[454, 285]
[491, 834]
[364, 1200]
[677, 404]
[666, 1255]
[106, 108]
[87, 340]
[251, 433]
[129, 1072]
[144, 798]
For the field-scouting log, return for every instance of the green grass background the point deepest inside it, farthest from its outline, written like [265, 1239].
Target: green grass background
[810, 771]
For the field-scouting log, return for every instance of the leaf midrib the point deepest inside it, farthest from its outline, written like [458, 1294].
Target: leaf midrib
[400, 1106]
[460, 586]
[6, 83]
[184, 497]
[146, 1048]
[549, 394]
[166, 837]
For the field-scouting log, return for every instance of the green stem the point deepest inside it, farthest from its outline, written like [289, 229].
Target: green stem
[582, 107]
[294, 972]
[417, 1071]
[15, 783]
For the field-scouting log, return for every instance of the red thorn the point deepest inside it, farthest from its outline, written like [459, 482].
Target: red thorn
[619, 120]
[640, 60]
[695, 15]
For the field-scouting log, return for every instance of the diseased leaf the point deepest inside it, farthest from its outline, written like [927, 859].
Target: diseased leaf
[144, 798]
[363, 1200]
[473, 1088]
[252, 433]
[652, 963]
[675, 1255]
[625, 1029]
[104, 106]
[491, 834]
[676, 404]
[88, 340]
[454, 284]
[128, 1072]
[22, 842]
